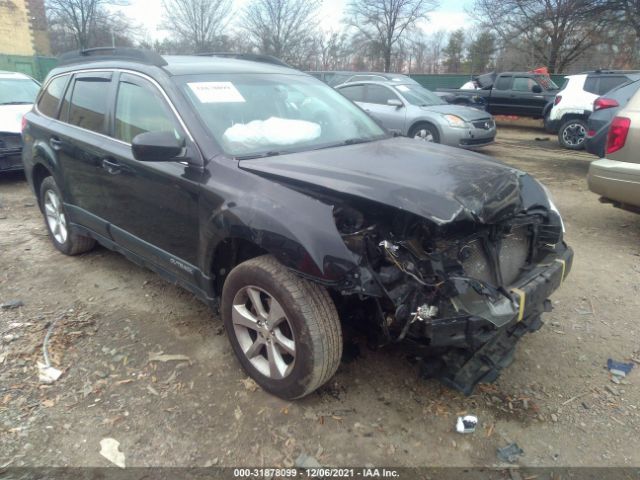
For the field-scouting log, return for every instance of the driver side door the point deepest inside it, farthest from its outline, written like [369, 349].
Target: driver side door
[376, 98]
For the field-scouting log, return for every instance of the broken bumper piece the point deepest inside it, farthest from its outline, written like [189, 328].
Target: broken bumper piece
[478, 353]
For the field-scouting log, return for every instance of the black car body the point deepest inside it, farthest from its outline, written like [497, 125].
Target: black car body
[511, 93]
[449, 251]
[605, 108]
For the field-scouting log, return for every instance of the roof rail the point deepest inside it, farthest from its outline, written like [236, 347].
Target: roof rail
[609, 70]
[112, 53]
[253, 57]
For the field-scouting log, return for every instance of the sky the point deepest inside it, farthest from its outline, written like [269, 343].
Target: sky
[450, 15]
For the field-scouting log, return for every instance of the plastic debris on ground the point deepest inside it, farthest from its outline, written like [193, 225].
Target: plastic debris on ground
[306, 461]
[466, 424]
[159, 357]
[110, 449]
[510, 453]
[47, 373]
[619, 369]
[11, 304]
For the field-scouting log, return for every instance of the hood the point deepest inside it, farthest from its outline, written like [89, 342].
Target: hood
[466, 113]
[11, 117]
[442, 184]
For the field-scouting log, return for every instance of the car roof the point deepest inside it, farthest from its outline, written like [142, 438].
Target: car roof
[388, 83]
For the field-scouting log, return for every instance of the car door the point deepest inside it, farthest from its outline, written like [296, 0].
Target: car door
[152, 206]
[78, 140]
[525, 100]
[376, 104]
[500, 98]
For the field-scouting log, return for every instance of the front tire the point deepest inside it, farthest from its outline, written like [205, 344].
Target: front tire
[56, 220]
[425, 132]
[284, 330]
[573, 133]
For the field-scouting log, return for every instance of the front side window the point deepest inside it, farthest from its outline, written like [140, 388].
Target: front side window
[138, 110]
[48, 104]
[523, 84]
[379, 95]
[418, 95]
[263, 114]
[89, 103]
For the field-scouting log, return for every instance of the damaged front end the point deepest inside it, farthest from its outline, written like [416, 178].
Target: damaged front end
[460, 293]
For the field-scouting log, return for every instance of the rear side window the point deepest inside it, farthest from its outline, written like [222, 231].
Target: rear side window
[89, 103]
[609, 83]
[354, 93]
[503, 83]
[138, 110]
[50, 99]
[591, 85]
[379, 95]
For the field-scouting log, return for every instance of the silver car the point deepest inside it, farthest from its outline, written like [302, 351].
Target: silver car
[413, 111]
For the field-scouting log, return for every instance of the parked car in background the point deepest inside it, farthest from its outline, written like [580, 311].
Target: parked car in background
[265, 192]
[616, 178]
[413, 111]
[568, 114]
[604, 110]
[334, 78]
[524, 94]
[17, 94]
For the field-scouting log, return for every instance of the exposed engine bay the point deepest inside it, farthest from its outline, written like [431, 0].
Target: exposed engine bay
[455, 290]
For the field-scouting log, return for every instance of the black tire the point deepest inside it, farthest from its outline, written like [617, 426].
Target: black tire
[313, 320]
[573, 133]
[427, 128]
[73, 244]
[547, 127]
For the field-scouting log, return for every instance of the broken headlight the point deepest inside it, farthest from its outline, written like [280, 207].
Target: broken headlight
[552, 205]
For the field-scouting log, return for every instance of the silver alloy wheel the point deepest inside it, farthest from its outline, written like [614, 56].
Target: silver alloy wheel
[574, 134]
[423, 134]
[55, 216]
[264, 332]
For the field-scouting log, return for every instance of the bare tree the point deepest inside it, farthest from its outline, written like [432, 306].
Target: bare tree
[282, 28]
[555, 32]
[385, 22]
[198, 23]
[81, 19]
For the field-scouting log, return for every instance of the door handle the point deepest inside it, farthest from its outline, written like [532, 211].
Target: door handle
[111, 166]
[55, 143]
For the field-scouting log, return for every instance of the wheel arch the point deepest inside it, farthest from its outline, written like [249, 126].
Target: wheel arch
[426, 121]
[38, 173]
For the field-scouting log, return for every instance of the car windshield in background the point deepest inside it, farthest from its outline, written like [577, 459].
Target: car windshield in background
[18, 91]
[253, 115]
[546, 82]
[418, 95]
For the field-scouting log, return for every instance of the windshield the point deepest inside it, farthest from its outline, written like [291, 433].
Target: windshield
[268, 114]
[16, 91]
[418, 95]
[546, 82]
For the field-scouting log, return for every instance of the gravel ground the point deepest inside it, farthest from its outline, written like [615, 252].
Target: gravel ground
[556, 400]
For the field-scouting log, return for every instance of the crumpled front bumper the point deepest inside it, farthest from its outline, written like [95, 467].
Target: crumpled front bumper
[476, 354]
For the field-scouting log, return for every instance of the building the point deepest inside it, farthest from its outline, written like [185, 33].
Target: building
[23, 28]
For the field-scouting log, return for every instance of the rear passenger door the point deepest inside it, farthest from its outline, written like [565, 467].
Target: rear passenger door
[376, 104]
[500, 98]
[79, 140]
[152, 207]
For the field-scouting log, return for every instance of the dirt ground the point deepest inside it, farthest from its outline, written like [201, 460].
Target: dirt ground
[556, 400]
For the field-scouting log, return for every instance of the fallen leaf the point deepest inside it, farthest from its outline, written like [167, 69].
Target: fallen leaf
[48, 403]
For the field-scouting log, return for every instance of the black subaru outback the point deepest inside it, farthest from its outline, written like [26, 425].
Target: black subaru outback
[270, 196]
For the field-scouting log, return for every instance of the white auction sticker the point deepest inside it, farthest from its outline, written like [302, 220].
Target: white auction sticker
[402, 88]
[216, 92]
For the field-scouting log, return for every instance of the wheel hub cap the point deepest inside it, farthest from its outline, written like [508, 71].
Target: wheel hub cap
[263, 332]
[56, 218]
[424, 135]
[574, 134]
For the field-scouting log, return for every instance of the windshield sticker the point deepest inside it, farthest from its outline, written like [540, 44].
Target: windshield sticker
[402, 88]
[216, 92]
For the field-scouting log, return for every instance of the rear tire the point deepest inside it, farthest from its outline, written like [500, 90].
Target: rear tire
[284, 330]
[425, 132]
[56, 220]
[573, 133]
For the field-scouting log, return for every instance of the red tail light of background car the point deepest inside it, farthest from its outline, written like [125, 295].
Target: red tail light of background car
[603, 102]
[617, 135]
[557, 99]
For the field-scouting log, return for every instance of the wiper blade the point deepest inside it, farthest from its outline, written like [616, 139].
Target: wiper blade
[250, 156]
[16, 103]
[353, 141]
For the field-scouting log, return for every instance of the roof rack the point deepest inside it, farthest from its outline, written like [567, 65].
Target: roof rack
[112, 53]
[253, 57]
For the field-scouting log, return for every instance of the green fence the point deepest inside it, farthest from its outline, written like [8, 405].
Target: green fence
[435, 81]
[36, 67]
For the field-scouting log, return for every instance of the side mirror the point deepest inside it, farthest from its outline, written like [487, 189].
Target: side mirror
[394, 102]
[156, 147]
[536, 89]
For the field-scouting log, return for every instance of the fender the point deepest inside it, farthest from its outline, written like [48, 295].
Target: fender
[547, 108]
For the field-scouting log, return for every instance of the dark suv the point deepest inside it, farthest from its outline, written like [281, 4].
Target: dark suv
[267, 193]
